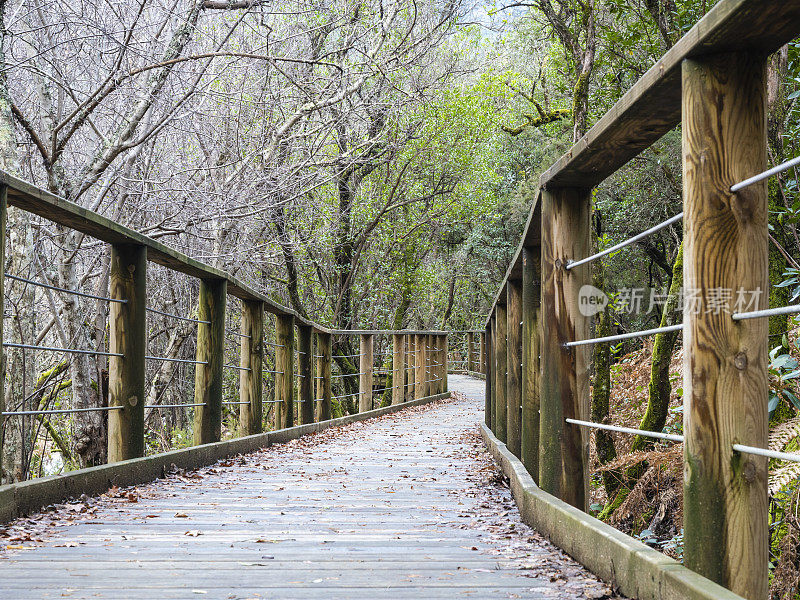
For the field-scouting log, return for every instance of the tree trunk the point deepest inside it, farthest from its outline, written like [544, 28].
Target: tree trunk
[601, 389]
[89, 438]
[22, 364]
[659, 388]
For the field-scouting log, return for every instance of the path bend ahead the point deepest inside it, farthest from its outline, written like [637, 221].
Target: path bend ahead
[408, 505]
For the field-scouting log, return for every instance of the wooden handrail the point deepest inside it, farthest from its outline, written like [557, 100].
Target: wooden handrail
[131, 251]
[713, 81]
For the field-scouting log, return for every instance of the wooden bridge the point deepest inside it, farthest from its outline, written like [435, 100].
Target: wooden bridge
[391, 507]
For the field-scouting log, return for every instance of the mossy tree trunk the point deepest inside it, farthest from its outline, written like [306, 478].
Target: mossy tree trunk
[601, 389]
[659, 388]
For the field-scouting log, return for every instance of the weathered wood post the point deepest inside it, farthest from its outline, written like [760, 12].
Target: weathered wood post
[411, 367]
[367, 361]
[420, 366]
[531, 262]
[251, 361]
[284, 365]
[563, 451]
[514, 366]
[501, 366]
[470, 351]
[324, 390]
[486, 349]
[725, 372]
[210, 355]
[305, 385]
[128, 336]
[398, 367]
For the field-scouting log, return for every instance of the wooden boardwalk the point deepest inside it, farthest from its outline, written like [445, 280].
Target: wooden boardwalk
[397, 507]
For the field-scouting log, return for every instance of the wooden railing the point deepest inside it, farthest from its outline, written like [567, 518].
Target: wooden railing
[713, 82]
[303, 350]
[467, 352]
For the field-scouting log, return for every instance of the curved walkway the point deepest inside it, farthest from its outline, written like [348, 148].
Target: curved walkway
[404, 506]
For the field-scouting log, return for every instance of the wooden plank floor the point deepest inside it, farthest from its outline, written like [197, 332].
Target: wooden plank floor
[398, 507]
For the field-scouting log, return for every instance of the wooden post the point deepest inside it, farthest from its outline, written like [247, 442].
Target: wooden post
[486, 340]
[420, 366]
[531, 262]
[366, 346]
[210, 355]
[725, 372]
[305, 385]
[500, 381]
[514, 366]
[470, 350]
[411, 367]
[324, 391]
[127, 336]
[398, 367]
[284, 365]
[251, 360]
[563, 451]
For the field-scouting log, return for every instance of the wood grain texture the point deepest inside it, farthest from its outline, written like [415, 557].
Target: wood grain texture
[324, 389]
[501, 366]
[305, 383]
[284, 365]
[565, 371]
[251, 359]
[127, 336]
[531, 332]
[366, 362]
[725, 370]
[514, 367]
[208, 381]
[398, 368]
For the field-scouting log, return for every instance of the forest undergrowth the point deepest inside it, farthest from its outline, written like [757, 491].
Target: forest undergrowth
[652, 509]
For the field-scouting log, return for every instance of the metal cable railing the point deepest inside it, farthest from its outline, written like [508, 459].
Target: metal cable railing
[643, 432]
[628, 242]
[766, 174]
[60, 411]
[188, 361]
[166, 314]
[55, 349]
[625, 336]
[66, 291]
